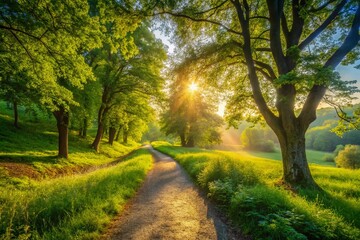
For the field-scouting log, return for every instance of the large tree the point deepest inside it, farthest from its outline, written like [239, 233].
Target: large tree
[288, 50]
[122, 75]
[50, 41]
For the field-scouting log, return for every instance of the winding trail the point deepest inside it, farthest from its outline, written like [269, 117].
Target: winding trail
[168, 206]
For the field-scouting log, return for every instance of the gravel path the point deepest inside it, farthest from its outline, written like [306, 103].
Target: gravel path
[168, 206]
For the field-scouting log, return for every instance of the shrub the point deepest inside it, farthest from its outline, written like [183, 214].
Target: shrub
[338, 149]
[349, 157]
[255, 139]
[266, 146]
[328, 158]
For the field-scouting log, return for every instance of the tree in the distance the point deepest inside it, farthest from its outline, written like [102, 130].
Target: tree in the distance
[279, 57]
[190, 114]
[349, 157]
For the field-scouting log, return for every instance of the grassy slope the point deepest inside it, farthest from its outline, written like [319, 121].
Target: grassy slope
[35, 144]
[244, 185]
[68, 207]
[315, 157]
[71, 207]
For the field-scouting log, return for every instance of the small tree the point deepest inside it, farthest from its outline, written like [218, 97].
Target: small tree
[257, 139]
[190, 114]
[349, 157]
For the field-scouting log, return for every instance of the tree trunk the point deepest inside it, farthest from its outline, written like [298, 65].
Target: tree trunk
[16, 115]
[296, 170]
[182, 139]
[98, 137]
[112, 132]
[100, 130]
[84, 128]
[125, 136]
[190, 142]
[118, 133]
[62, 120]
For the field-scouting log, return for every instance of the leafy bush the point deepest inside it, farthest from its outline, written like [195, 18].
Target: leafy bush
[255, 139]
[328, 158]
[349, 157]
[338, 149]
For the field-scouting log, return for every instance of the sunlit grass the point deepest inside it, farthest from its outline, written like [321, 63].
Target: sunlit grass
[72, 207]
[36, 144]
[313, 156]
[244, 186]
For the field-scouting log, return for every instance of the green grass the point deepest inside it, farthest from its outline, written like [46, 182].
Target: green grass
[244, 187]
[72, 207]
[313, 156]
[35, 144]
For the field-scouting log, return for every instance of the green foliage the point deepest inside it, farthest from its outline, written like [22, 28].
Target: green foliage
[321, 135]
[36, 144]
[74, 206]
[348, 121]
[243, 187]
[258, 139]
[349, 157]
[190, 113]
[338, 149]
[328, 158]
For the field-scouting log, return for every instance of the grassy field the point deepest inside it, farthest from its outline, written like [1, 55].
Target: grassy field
[71, 207]
[314, 157]
[42, 198]
[244, 187]
[31, 151]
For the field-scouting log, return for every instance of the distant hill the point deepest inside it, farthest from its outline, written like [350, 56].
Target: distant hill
[318, 137]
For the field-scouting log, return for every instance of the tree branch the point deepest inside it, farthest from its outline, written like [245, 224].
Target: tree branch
[267, 67]
[199, 20]
[275, 9]
[321, 6]
[308, 113]
[323, 26]
[269, 116]
[213, 8]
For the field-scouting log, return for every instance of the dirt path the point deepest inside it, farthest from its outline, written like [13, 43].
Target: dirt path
[168, 206]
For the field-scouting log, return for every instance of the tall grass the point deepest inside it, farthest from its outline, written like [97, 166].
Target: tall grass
[73, 207]
[244, 187]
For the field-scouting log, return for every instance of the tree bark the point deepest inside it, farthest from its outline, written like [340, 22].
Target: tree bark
[296, 170]
[125, 136]
[182, 139]
[100, 129]
[62, 120]
[190, 142]
[98, 137]
[16, 115]
[118, 133]
[112, 132]
[84, 128]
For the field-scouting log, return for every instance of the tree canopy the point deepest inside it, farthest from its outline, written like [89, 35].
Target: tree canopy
[277, 57]
[191, 112]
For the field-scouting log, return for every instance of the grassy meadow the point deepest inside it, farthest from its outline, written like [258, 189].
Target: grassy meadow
[31, 151]
[71, 207]
[44, 197]
[313, 156]
[245, 188]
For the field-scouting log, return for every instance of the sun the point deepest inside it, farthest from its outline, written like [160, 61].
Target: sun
[193, 87]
